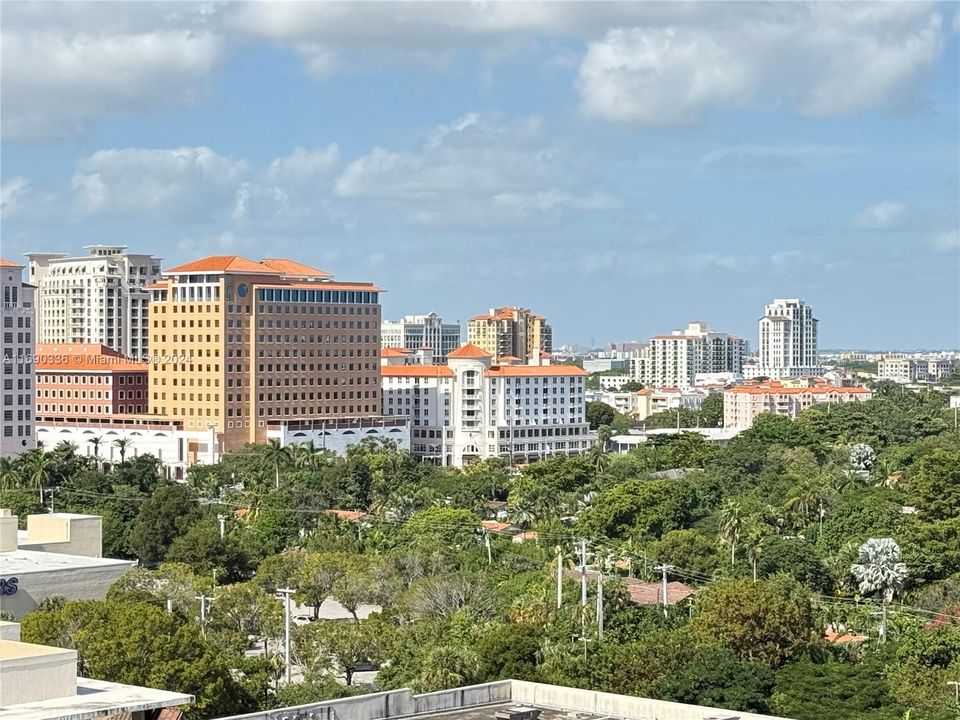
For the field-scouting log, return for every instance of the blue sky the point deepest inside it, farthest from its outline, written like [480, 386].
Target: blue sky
[620, 168]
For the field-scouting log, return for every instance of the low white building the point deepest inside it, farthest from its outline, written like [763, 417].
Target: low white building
[920, 369]
[102, 438]
[471, 409]
[58, 555]
[338, 434]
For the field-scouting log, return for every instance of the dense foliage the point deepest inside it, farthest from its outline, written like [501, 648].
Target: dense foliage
[768, 529]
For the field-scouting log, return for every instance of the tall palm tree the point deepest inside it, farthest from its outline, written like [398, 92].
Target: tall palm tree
[95, 441]
[731, 526]
[38, 466]
[8, 474]
[276, 455]
[306, 456]
[880, 570]
[753, 538]
[123, 444]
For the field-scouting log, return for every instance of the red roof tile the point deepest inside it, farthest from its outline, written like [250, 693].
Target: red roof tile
[10, 264]
[221, 263]
[469, 351]
[292, 267]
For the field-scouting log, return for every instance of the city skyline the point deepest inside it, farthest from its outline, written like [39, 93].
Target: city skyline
[491, 156]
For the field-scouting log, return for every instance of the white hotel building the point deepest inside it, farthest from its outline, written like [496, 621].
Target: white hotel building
[788, 341]
[471, 409]
[675, 360]
[421, 331]
[19, 371]
[101, 298]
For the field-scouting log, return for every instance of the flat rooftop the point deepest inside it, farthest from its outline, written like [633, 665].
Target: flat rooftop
[487, 712]
[95, 698]
[19, 562]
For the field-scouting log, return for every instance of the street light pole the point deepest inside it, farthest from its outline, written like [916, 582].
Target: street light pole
[286, 592]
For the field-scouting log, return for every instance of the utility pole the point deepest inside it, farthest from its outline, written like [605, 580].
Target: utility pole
[599, 605]
[223, 525]
[286, 592]
[583, 572]
[664, 568]
[170, 605]
[486, 542]
[559, 577]
[204, 599]
[956, 690]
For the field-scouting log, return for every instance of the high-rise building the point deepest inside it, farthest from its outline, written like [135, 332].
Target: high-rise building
[97, 299]
[788, 340]
[511, 332]
[19, 388]
[240, 347]
[415, 332]
[472, 408]
[676, 359]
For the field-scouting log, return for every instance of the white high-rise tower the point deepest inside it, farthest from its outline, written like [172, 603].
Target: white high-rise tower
[101, 298]
[788, 340]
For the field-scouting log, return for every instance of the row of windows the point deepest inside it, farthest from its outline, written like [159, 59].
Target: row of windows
[22, 399]
[21, 415]
[90, 409]
[353, 297]
[316, 310]
[22, 322]
[22, 384]
[22, 431]
[53, 378]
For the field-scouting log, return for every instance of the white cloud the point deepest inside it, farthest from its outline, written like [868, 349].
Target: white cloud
[660, 76]
[180, 184]
[948, 241]
[886, 215]
[12, 195]
[475, 170]
[65, 65]
[53, 85]
[303, 165]
[824, 59]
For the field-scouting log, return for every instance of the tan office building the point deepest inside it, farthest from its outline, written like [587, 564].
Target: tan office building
[240, 346]
[511, 333]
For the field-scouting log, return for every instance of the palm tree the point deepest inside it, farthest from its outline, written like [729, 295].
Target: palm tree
[731, 526]
[756, 533]
[95, 441]
[275, 455]
[521, 512]
[880, 570]
[8, 474]
[123, 444]
[307, 456]
[38, 465]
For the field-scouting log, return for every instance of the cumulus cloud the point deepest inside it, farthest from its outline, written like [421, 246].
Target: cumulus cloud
[824, 59]
[948, 241]
[660, 76]
[180, 184]
[303, 165]
[54, 85]
[475, 170]
[886, 215]
[65, 65]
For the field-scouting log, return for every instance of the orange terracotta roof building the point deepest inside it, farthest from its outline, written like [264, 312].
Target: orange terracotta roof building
[262, 342]
[743, 403]
[10, 264]
[78, 380]
[469, 351]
